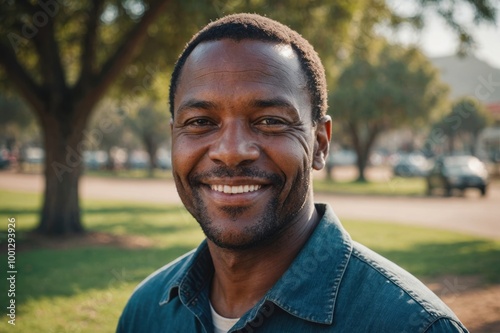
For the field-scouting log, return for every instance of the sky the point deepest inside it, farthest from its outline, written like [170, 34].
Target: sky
[437, 39]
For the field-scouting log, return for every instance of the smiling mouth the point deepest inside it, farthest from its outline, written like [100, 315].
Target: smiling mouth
[235, 189]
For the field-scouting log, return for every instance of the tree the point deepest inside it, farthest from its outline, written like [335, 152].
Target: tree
[384, 89]
[475, 119]
[148, 120]
[150, 124]
[41, 40]
[107, 128]
[465, 121]
[363, 45]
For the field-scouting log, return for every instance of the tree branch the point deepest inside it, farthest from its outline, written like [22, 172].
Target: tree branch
[28, 6]
[123, 55]
[88, 55]
[21, 79]
[50, 64]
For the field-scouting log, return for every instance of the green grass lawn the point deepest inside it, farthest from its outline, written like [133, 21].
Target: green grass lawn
[84, 288]
[397, 186]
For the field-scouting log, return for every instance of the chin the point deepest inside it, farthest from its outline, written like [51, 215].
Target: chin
[237, 245]
[250, 237]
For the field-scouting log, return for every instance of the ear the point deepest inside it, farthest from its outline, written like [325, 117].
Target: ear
[171, 125]
[322, 143]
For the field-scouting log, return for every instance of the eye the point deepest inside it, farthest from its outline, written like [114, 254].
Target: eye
[269, 121]
[199, 122]
[198, 125]
[272, 125]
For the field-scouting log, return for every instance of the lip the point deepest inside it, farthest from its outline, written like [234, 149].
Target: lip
[235, 181]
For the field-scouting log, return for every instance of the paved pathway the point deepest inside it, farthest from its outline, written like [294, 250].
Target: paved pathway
[470, 214]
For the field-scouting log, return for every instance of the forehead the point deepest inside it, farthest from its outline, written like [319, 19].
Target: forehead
[247, 53]
[251, 64]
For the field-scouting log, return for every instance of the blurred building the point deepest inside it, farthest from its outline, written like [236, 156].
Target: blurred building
[469, 76]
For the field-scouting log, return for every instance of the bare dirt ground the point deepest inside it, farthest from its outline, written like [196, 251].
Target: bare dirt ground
[476, 304]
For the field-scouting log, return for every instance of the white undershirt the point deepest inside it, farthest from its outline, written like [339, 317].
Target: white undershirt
[222, 324]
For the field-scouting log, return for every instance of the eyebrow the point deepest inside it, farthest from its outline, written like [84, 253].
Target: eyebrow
[258, 103]
[272, 103]
[195, 104]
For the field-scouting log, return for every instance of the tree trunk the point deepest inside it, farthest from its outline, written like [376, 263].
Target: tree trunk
[63, 166]
[110, 163]
[151, 148]
[363, 139]
[361, 165]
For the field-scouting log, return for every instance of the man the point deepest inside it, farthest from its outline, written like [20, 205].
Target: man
[249, 124]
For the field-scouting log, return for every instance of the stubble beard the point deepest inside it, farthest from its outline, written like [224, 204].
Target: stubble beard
[269, 226]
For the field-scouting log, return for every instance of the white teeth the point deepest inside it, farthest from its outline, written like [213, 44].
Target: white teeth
[235, 189]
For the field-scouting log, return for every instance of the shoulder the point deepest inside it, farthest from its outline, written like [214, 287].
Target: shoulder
[382, 270]
[394, 294]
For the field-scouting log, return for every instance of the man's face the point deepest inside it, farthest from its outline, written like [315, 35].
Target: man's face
[243, 141]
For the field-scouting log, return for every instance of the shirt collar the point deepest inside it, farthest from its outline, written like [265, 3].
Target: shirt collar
[308, 289]
[191, 277]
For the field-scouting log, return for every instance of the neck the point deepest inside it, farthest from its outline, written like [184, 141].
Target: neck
[242, 277]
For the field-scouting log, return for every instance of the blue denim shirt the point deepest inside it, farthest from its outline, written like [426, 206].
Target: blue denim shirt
[333, 285]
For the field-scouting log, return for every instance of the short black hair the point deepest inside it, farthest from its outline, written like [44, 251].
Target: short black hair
[252, 26]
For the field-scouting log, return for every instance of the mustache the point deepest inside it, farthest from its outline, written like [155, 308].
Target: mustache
[243, 171]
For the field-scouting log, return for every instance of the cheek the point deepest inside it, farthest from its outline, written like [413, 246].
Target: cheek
[292, 154]
[185, 155]
[301, 147]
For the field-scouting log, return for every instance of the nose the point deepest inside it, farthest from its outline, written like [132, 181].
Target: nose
[234, 146]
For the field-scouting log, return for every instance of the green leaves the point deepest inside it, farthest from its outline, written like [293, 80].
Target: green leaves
[385, 88]
[396, 87]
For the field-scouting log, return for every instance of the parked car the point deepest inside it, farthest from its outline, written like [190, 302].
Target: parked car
[458, 172]
[138, 159]
[163, 159]
[164, 162]
[341, 157]
[34, 155]
[95, 159]
[411, 165]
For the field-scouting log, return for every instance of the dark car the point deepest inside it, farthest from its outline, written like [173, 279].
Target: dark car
[457, 172]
